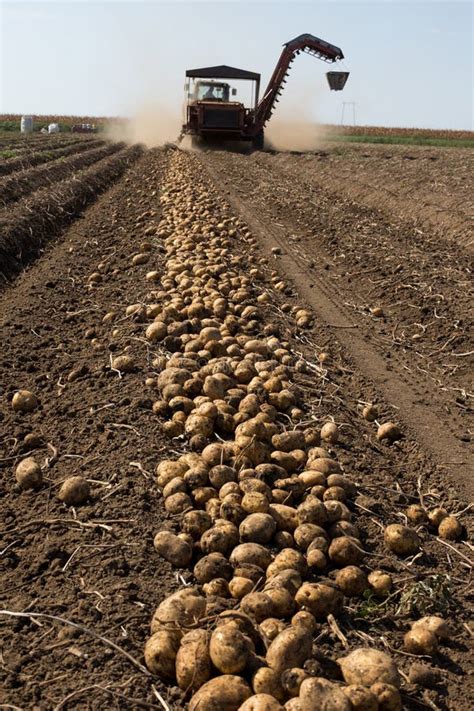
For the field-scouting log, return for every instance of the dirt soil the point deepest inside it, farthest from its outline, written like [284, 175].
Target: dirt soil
[95, 566]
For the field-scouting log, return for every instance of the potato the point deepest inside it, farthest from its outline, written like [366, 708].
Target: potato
[168, 470]
[160, 653]
[324, 695]
[292, 705]
[240, 587]
[24, 401]
[173, 549]
[416, 514]
[306, 619]
[435, 516]
[184, 607]
[365, 666]
[214, 565]
[388, 697]
[224, 693]
[352, 581]
[330, 432]
[252, 553]
[450, 529]
[74, 491]
[222, 474]
[323, 464]
[388, 431]
[420, 641]
[319, 599]
[292, 679]
[312, 511]
[286, 517]
[229, 649]
[178, 503]
[220, 539]
[124, 363]
[291, 648]
[267, 681]
[193, 662]
[28, 474]
[305, 533]
[195, 523]
[401, 540]
[156, 331]
[287, 441]
[287, 579]
[434, 624]
[287, 559]
[255, 502]
[216, 588]
[316, 559]
[271, 627]
[261, 702]
[257, 528]
[380, 582]
[258, 605]
[283, 603]
[361, 698]
[345, 551]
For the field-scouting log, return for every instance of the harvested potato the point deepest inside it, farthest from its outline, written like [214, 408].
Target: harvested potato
[312, 511]
[257, 528]
[416, 514]
[401, 540]
[258, 605]
[389, 432]
[228, 649]
[271, 627]
[283, 603]
[24, 401]
[28, 474]
[286, 517]
[239, 587]
[434, 624]
[124, 363]
[193, 662]
[267, 681]
[380, 582]
[173, 549]
[261, 702]
[365, 666]
[345, 551]
[361, 698]
[370, 413]
[160, 653]
[220, 538]
[184, 607]
[195, 523]
[252, 553]
[388, 697]
[214, 565]
[224, 693]
[435, 516]
[319, 599]
[292, 679]
[450, 529]
[330, 432]
[216, 588]
[420, 640]
[291, 648]
[74, 491]
[352, 581]
[319, 693]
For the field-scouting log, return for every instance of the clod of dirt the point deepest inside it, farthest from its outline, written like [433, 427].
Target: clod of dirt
[423, 675]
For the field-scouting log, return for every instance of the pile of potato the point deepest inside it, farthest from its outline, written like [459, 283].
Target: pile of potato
[258, 508]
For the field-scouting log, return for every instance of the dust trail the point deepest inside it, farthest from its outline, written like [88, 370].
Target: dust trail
[153, 125]
[284, 133]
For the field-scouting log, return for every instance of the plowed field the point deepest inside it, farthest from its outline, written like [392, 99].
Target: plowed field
[286, 292]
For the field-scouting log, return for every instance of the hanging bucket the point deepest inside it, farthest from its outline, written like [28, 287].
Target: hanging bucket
[337, 80]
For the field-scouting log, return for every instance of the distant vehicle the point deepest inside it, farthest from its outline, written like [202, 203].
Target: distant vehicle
[84, 128]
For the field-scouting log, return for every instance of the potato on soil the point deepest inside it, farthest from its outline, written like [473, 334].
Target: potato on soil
[352, 581]
[224, 693]
[124, 363]
[173, 549]
[361, 698]
[74, 491]
[291, 648]
[28, 474]
[271, 627]
[319, 599]
[450, 529]
[434, 624]
[214, 565]
[365, 666]
[267, 681]
[380, 582]
[330, 432]
[24, 401]
[261, 702]
[420, 640]
[257, 528]
[388, 432]
[324, 695]
[216, 588]
[193, 662]
[160, 653]
[401, 540]
[229, 649]
[388, 697]
[252, 553]
[292, 679]
[184, 607]
[258, 605]
[345, 551]
[239, 587]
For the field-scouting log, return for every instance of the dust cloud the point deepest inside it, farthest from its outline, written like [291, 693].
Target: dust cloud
[153, 125]
[284, 133]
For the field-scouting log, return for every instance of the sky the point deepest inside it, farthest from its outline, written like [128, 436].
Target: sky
[410, 62]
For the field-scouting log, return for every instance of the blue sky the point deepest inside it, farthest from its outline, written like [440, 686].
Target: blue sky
[411, 62]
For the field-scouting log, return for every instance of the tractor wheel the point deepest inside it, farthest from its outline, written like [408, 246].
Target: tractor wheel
[259, 141]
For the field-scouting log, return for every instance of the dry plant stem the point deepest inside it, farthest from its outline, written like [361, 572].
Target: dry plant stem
[105, 640]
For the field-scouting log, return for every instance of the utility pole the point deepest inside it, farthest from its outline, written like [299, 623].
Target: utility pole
[348, 104]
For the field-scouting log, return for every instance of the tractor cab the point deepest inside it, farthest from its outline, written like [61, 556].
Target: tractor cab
[212, 91]
[220, 102]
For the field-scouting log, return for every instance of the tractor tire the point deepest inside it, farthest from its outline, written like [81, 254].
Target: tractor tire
[259, 141]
